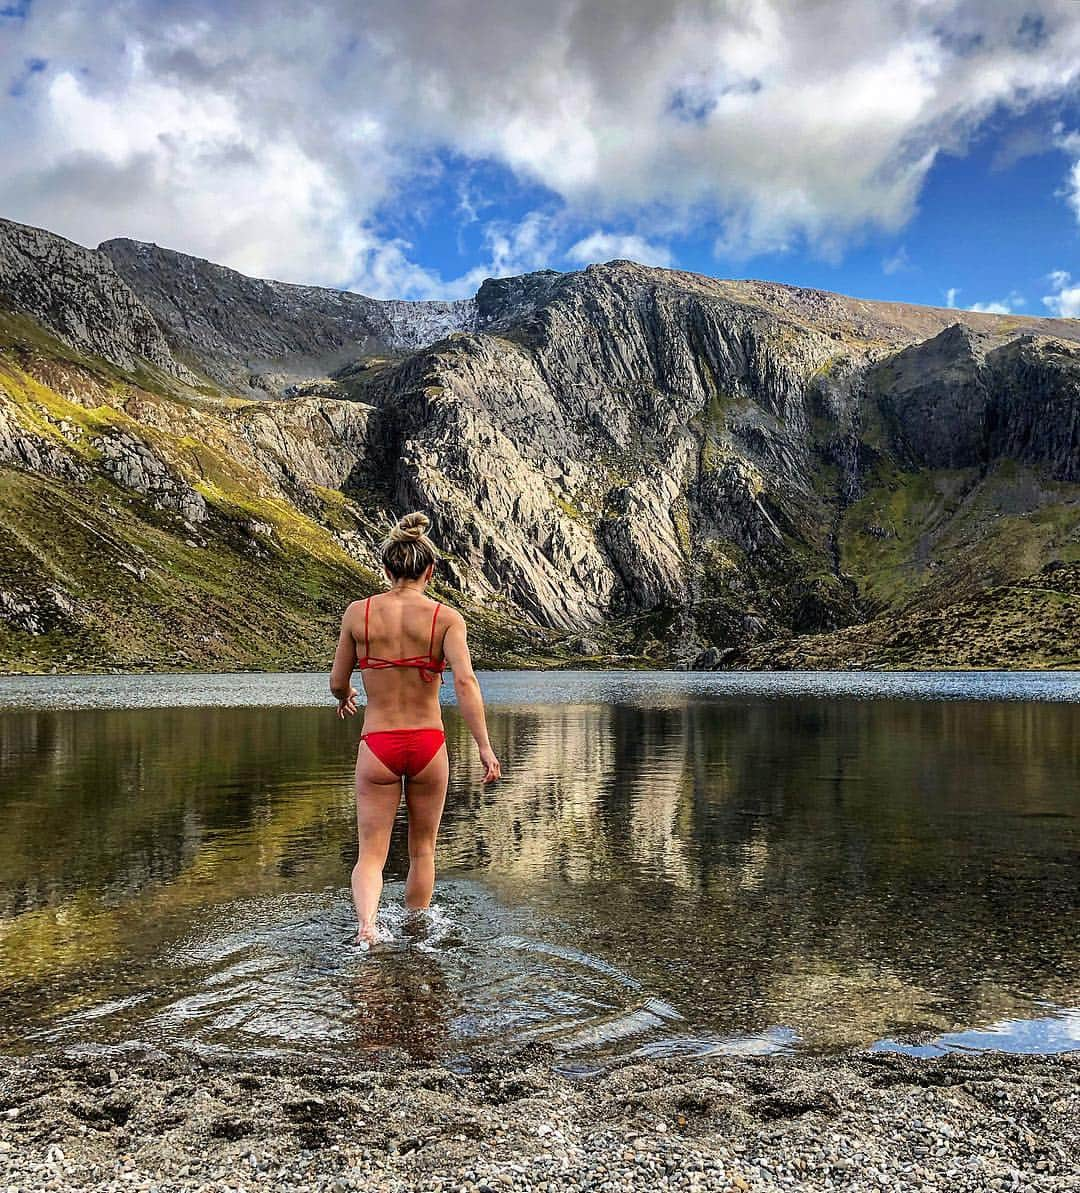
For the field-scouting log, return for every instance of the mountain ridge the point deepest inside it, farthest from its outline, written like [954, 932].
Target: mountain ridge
[620, 461]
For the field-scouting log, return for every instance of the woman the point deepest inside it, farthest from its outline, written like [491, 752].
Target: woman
[403, 742]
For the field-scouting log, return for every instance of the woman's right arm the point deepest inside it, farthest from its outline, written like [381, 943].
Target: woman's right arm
[344, 662]
[469, 697]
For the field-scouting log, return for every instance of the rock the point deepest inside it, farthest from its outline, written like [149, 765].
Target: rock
[38, 612]
[78, 295]
[22, 448]
[958, 401]
[251, 334]
[135, 465]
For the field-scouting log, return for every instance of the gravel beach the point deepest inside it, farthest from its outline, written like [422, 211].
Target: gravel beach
[149, 1120]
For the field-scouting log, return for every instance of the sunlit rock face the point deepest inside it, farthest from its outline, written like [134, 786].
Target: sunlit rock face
[671, 467]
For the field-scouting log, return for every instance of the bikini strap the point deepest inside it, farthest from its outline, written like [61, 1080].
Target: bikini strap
[431, 641]
[367, 614]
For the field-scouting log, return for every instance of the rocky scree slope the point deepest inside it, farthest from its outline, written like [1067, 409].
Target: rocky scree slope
[621, 463]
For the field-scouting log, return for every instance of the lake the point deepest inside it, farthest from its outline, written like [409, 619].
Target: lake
[674, 864]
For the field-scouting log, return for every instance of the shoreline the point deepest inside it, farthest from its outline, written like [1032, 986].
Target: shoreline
[547, 665]
[173, 1121]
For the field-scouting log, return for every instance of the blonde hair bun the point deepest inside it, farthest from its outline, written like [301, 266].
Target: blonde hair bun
[410, 528]
[407, 552]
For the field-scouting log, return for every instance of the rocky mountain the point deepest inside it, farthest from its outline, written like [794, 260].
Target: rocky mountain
[74, 293]
[256, 337]
[620, 463]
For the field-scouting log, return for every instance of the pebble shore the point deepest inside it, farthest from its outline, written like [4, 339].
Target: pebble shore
[146, 1120]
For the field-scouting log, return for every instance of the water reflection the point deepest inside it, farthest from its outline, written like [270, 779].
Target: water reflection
[679, 873]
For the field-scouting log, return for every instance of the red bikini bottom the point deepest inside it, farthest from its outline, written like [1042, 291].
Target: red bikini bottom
[404, 751]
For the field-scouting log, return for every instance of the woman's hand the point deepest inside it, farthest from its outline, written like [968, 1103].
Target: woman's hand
[347, 705]
[492, 769]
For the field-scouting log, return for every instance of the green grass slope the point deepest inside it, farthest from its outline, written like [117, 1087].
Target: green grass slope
[96, 577]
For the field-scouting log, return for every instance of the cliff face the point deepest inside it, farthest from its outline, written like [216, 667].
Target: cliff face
[75, 294]
[622, 462]
[643, 443]
[959, 401]
[257, 337]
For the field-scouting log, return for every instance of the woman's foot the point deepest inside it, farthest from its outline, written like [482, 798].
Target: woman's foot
[365, 936]
[370, 934]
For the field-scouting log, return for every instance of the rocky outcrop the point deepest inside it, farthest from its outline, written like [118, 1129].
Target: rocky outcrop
[23, 448]
[80, 297]
[133, 464]
[596, 454]
[314, 442]
[577, 460]
[1034, 416]
[955, 402]
[36, 613]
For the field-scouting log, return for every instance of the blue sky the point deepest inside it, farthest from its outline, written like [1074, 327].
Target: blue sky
[989, 228]
[932, 156]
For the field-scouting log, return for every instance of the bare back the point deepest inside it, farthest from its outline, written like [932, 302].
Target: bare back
[398, 626]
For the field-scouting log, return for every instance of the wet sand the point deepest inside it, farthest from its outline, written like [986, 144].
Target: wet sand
[149, 1120]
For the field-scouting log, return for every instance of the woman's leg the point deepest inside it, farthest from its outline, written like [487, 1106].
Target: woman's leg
[378, 794]
[425, 797]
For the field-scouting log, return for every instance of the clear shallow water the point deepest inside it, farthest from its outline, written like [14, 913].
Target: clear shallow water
[674, 864]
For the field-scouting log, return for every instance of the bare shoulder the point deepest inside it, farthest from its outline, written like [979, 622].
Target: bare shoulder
[352, 612]
[449, 616]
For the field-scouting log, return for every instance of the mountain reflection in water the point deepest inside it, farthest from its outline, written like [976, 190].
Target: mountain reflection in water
[665, 870]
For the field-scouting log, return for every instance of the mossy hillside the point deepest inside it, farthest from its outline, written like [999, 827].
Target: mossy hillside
[710, 425]
[879, 535]
[147, 598]
[930, 535]
[148, 595]
[91, 380]
[42, 411]
[237, 492]
[29, 346]
[1031, 623]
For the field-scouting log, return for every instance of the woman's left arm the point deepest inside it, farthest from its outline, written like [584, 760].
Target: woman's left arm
[341, 672]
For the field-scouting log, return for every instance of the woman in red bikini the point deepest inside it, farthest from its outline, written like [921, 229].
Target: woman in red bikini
[403, 742]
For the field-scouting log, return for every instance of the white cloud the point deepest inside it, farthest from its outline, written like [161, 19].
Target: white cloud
[898, 262]
[511, 248]
[273, 143]
[1069, 142]
[950, 296]
[1064, 302]
[609, 246]
[1003, 306]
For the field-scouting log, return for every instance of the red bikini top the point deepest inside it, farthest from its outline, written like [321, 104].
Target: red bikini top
[427, 665]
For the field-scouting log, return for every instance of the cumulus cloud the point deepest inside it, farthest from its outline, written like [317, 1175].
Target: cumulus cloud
[276, 143]
[1065, 299]
[608, 246]
[1003, 306]
[510, 248]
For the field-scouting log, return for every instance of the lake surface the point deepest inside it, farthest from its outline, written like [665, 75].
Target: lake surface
[673, 864]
